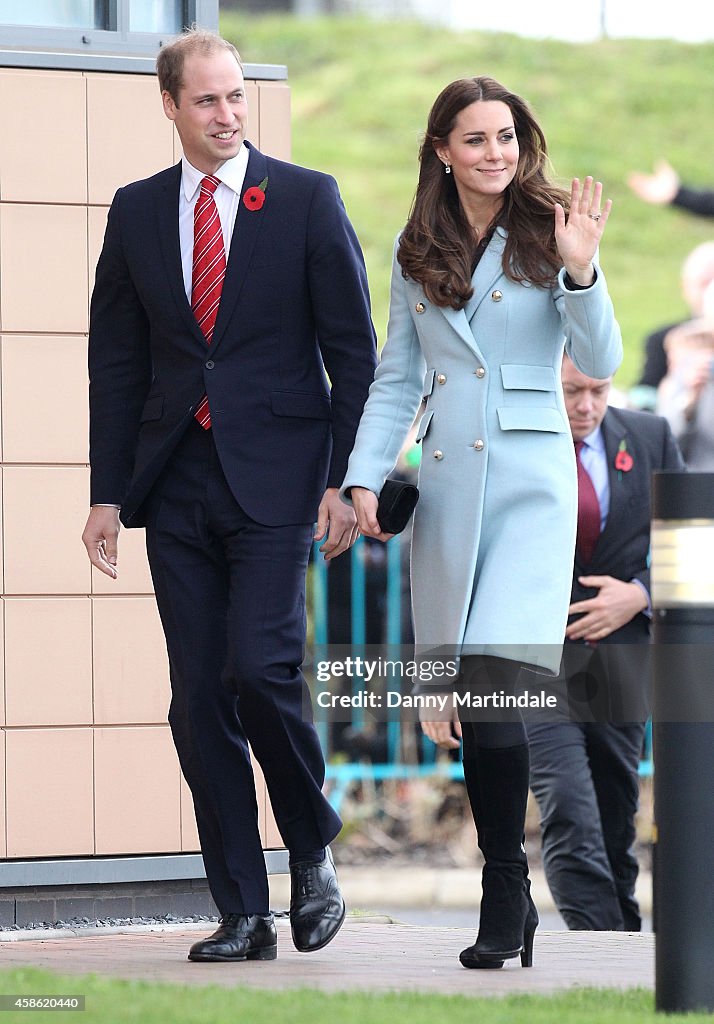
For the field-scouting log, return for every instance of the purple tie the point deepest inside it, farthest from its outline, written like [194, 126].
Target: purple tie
[588, 510]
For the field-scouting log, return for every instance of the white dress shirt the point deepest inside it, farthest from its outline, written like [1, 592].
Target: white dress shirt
[227, 196]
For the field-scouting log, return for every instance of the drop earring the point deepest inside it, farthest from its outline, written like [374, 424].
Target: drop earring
[447, 168]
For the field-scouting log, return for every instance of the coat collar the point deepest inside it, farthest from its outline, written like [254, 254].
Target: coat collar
[488, 271]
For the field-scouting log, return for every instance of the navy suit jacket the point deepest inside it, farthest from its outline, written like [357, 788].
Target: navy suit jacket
[622, 550]
[294, 312]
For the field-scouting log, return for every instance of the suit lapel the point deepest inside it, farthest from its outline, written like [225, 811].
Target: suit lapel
[168, 227]
[247, 228]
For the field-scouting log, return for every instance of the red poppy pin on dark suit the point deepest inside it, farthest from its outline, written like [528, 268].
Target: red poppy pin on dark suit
[254, 197]
[623, 460]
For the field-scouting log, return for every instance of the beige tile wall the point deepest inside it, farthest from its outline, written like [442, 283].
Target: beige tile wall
[51, 108]
[87, 765]
[137, 804]
[2, 717]
[44, 399]
[3, 796]
[48, 661]
[50, 792]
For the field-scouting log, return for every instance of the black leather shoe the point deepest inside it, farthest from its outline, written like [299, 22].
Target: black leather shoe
[317, 909]
[239, 937]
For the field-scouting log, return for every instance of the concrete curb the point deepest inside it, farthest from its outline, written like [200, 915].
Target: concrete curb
[367, 891]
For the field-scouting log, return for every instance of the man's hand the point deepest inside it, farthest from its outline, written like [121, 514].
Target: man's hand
[616, 603]
[100, 538]
[342, 523]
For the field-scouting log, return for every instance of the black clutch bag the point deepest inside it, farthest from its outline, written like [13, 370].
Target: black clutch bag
[397, 501]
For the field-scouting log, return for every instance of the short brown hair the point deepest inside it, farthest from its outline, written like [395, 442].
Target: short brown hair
[170, 61]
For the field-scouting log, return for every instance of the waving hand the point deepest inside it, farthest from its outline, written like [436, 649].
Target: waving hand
[579, 237]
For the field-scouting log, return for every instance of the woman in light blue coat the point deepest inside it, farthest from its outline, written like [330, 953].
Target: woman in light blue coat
[492, 280]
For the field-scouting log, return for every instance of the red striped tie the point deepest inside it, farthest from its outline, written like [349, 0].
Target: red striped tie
[209, 269]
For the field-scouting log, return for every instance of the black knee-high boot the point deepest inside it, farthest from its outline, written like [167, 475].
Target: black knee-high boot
[497, 785]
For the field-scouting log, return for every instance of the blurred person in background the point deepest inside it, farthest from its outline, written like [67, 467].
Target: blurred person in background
[696, 277]
[686, 393]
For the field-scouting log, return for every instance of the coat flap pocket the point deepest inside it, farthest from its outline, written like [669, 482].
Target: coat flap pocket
[527, 377]
[519, 418]
[428, 383]
[305, 404]
[153, 408]
[423, 426]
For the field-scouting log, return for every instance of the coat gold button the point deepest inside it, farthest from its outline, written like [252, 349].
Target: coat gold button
[478, 445]
[497, 296]
[441, 378]
[438, 454]
[420, 307]
[480, 372]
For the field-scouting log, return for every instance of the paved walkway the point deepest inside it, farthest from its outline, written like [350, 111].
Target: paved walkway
[369, 954]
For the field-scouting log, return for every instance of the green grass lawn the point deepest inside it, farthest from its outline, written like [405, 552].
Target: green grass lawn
[115, 1002]
[361, 91]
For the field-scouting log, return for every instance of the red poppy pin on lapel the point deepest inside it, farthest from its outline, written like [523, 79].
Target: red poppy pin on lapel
[254, 197]
[623, 460]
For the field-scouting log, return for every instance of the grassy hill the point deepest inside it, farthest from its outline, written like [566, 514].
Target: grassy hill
[361, 91]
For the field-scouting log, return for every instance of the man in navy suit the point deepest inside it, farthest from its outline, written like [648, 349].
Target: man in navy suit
[584, 764]
[228, 444]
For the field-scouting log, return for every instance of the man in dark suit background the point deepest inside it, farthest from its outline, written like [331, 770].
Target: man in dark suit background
[214, 426]
[584, 763]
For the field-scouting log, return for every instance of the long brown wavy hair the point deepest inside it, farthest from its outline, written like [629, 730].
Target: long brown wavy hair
[437, 246]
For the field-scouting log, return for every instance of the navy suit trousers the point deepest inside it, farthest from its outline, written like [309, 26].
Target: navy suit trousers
[231, 596]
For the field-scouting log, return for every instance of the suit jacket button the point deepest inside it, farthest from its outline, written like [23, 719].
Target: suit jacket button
[420, 307]
[441, 378]
[478, 445]
[210, 364]
[438, 454]
[480, 372]
[497, 296]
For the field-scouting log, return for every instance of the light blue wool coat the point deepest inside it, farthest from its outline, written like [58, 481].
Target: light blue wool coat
[494, 530]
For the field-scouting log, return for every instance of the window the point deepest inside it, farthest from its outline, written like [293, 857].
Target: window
[50, 14]
[94, 27]
[156, 16]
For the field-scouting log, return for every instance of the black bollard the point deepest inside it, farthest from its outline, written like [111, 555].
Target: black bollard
[683, 739]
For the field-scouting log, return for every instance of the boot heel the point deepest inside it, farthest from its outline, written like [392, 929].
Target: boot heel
[527, 952]
[264, 953]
